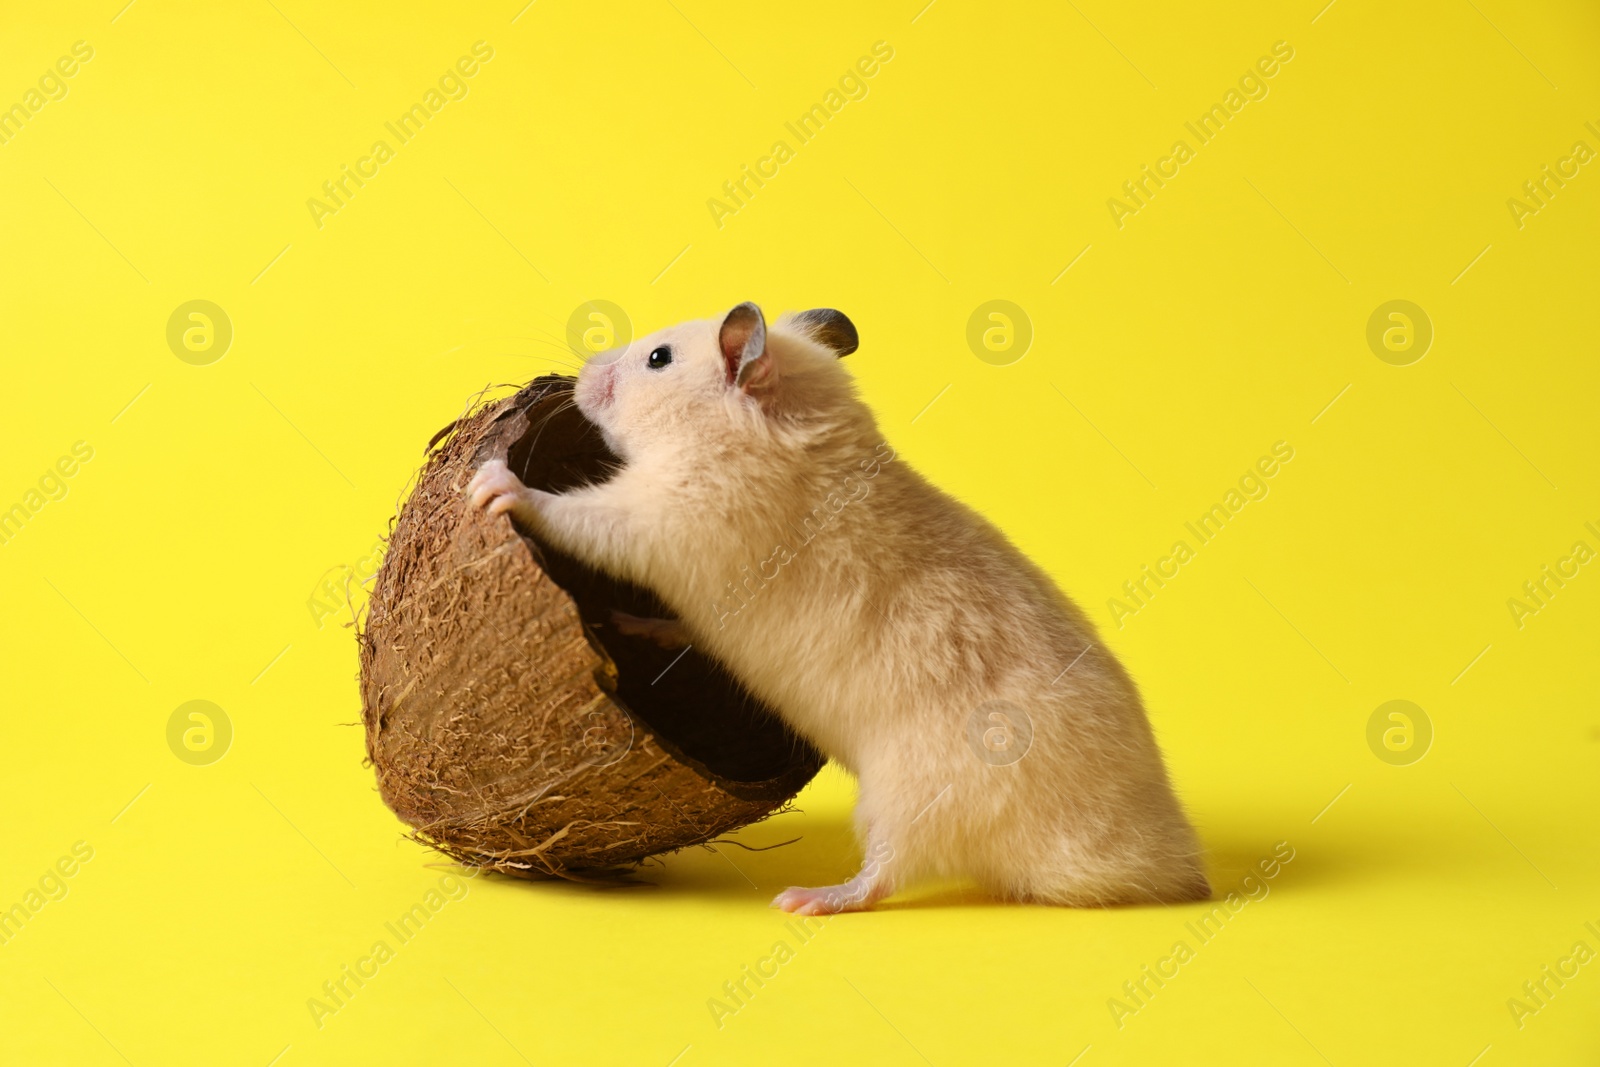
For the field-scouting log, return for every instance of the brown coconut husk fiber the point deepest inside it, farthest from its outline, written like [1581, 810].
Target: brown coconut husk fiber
[511, 727]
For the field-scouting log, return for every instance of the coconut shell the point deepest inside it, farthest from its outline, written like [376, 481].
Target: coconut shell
[510, 725]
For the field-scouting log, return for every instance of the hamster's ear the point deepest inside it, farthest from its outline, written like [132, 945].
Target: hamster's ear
[829, 328]
[743, 337]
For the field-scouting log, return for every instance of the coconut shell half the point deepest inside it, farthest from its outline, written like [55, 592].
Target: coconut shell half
[510, 725]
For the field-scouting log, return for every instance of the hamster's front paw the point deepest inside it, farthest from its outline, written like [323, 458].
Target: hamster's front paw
[495, 488]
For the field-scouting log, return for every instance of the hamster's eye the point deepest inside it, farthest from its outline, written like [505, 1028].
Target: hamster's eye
[659, 358]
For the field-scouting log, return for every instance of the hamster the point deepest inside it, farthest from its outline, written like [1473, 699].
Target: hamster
[993, 736]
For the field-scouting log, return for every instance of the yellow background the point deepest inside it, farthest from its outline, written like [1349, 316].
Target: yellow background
[1223, 317]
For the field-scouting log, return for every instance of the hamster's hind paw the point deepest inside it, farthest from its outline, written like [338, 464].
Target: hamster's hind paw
[668, 633]
[854, 895]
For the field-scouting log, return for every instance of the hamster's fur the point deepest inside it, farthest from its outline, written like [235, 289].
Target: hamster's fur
[886, 622]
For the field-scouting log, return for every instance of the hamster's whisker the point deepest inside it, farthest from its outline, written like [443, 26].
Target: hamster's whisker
[574, 365]
[562, 408]
[553, 342]
[571, 360]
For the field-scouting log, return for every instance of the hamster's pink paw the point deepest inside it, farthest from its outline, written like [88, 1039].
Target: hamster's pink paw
[496, 489]
[825, 900]
[668, 633]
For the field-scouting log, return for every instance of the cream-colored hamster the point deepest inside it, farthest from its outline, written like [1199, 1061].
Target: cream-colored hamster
[993, 736]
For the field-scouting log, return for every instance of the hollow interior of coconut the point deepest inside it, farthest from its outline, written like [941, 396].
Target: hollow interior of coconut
[693, 706]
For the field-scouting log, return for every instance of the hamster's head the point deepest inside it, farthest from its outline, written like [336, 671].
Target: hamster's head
[709, 378]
